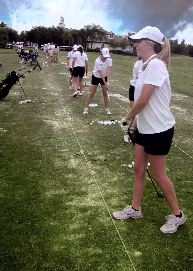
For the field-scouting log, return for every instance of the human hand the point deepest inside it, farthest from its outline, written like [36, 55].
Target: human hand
[125, 125]
[125, 122]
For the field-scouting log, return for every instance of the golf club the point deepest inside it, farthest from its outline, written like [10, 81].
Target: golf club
[160, 195]
[112, 119]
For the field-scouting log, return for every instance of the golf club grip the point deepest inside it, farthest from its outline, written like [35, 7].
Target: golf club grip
[132, 139]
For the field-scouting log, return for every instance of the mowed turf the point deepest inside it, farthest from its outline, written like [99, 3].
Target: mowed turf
[63, 175]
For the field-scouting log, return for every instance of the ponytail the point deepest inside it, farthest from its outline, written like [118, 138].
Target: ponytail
[80, 48]
[163, 53]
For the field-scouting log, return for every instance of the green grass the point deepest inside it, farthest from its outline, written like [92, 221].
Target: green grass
[56, 208]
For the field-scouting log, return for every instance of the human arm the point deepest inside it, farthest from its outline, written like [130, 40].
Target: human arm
[68, 58]
[86, 64]
[73, 62]
[108, 73]
[141, 102]
[103, 78]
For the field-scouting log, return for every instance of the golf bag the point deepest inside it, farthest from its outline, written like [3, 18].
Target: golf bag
[7, 84]
[25, 55]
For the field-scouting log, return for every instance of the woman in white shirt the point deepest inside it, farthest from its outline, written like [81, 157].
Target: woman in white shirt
[101, 75]
[69, 63]
[136, 69]
[80, 60]
[155, 124]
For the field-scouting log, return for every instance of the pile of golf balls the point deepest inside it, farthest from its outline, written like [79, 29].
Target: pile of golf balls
[132, 165]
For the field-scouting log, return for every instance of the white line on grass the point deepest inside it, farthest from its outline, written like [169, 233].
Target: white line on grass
[183, 151]
[91, 171]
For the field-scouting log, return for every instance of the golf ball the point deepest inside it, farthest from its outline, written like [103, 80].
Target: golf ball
[129, 166]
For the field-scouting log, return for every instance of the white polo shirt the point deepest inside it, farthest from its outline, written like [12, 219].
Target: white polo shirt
[70, 55]
[156, 116]
[80, 59]
[56, 49]
[136, 69]
[101, 66]
[52, 47]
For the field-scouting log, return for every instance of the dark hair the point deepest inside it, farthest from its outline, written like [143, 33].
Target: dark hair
[80, 48]
[157, 48]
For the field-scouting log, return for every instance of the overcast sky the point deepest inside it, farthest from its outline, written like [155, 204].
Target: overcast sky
[173, 17]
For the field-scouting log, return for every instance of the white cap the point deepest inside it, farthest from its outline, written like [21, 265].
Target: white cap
[150, 33]
[75, 47]
[105, 52]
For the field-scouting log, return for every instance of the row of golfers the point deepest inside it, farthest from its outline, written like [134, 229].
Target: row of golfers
[77, 60]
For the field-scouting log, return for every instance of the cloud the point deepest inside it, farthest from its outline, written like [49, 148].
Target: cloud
[26, 14]
[185, 34]
[173, 17]
[136, 14]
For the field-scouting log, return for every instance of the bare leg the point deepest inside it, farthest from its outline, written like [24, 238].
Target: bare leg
[80, 82]
[157, 166]
[75, 83]
[140, 166]
[131, 104]
[105, 95]
[91, 94]
[71, 78]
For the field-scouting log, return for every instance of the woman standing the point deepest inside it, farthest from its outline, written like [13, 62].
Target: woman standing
[56, 50]
[101, 74]
[155, 124]
[80, 60]
[137, 67]
[69, 63]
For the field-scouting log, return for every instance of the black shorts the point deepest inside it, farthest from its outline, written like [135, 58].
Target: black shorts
[131, 93]
[70, 69]
[78, 71]
[95, 81]
[155, 144]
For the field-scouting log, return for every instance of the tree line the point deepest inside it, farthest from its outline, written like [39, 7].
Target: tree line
[68, 37]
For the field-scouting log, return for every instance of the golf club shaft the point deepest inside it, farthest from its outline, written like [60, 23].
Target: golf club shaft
[109, 104]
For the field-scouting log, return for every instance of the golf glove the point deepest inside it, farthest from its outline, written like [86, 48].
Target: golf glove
[125, 124]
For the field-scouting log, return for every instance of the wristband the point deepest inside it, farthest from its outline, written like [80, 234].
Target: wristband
[132, 130]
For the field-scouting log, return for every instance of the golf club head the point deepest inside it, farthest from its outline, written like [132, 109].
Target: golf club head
[160, 195]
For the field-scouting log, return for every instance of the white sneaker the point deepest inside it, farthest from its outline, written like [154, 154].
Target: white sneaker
[173, 223]
[128, 213]
[80, 94]
[75, 94]
[108, 112]
[126, 138]
[71, 87]
[85, 111]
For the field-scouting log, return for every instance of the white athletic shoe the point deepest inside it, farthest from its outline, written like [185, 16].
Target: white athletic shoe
[108, 112]
[75, 94]
[172, 223]
[85, 111]
[128, 213]
[80, 94]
